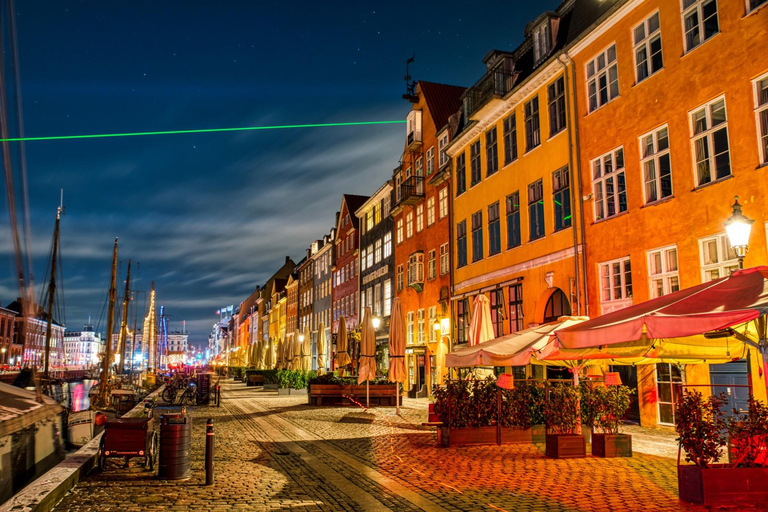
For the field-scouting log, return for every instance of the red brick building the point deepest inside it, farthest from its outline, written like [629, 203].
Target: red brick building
[345, 293]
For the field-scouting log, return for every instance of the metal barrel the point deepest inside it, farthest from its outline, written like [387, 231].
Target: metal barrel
[204, 388]
[175, 446]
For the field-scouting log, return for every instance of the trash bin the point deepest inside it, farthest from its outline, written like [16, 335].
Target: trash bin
[204, 388]
[175, 444]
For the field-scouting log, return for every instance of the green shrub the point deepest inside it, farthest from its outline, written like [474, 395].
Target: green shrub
[701, 426]
[561, 413]
[297, 379]
[521, 406]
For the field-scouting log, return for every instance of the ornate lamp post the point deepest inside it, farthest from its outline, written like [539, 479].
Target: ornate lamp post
[738, 227]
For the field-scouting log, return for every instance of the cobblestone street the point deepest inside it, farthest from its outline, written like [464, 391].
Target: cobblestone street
[276, 453]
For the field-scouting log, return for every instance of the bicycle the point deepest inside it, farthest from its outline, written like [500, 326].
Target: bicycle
[189, 396]
[172, 388]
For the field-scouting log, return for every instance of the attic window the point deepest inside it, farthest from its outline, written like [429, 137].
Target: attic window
[541, 42]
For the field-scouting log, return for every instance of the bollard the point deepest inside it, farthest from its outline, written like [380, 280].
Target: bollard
[218, 395]
[209, 452]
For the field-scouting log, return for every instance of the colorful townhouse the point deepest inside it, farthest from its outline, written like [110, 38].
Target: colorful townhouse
[269, 307]
[305, 270]
[672, 109]
[292, 306]
[323, 257]
[516, 228]
[422, 190]
[376, 266]
[345, 291]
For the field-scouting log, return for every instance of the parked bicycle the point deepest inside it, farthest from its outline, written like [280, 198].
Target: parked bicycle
[189, 397]
[173, 387]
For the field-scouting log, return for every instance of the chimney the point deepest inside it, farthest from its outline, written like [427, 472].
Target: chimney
[287, 259]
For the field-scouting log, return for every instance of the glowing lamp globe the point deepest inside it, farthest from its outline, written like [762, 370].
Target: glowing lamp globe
[376, 322]
[301, 338]
[738, 227]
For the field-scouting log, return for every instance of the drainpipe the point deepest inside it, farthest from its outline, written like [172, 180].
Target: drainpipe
[573, 143]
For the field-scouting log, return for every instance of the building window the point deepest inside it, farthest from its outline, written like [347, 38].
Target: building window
[494, 229]
[668, 383]
[491, 154]
[761, 115]
[432, 265]
[561, 192]
[513, 220]
[420, 327]
[442, 143]
[462, 320]
[377, 251]
[399, 277]
[699, 22]
[369, 220]
[419, 217]
[602, 78]
[515, 307]
[409, 328]
[541, 44]
[388, 245]
[431, 211]
[662, 271]
[385, 206]
[377, 213]
[647, 38]
[657, 170]
[497, 312]
[445, 265]
[532, 135]
[536, 210]
[556, 100]
[430, 160]
[419, 167]
[377, 299]
[717, 258]
[510, 139]
[609, 184]
[399, 230]
[387, 297]
[461, 174]
[461, 244]
[370, 256]
[416, 268]
[616, 280]
[442, 200]
[709, 138]
[409, 224]
[477, 236]
[754, 4]
[475, 163]
[430, 324]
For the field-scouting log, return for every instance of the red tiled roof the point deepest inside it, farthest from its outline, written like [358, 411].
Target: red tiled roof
[443, 101]
[353, 204]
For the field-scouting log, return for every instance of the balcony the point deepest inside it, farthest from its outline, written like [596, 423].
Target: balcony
[411, 190]
[487, 92]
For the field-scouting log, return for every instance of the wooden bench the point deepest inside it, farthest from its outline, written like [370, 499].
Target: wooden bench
[340, 394]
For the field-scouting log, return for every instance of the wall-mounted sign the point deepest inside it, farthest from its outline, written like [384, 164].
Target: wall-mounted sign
[379, 272]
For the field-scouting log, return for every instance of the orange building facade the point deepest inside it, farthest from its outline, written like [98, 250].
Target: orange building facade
[422, 233]
[672, 108]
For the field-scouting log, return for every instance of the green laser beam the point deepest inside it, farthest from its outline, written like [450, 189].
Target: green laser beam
[204, 130]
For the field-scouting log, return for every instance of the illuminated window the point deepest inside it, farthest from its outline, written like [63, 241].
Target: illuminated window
[445, 266]
[399, 277]
[409, 328]
[657, 169]
[709, 139]
[699, 22]
[761, 115]
[442, 200]
[647, 39]
[668, 383]
[431, 322]
[377, 299]
[462, 320]
[370, 256]
[416, 269]
[420, 327]
[409, 224]
[717, 258]
[442, 143]
[387, 297]
[399, 230]
[387, 245]
[510, 139]
[602, 78]
[662, 271]
[491, 153]
[420, 217]
[609, 185]
[377, 251]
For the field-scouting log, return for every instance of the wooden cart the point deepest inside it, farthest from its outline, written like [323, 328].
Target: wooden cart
[127, 438]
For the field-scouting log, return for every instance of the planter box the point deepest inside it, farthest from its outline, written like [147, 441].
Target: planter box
[512, 435]
[539, 434]
[471, 436]
[611, 445]
[291, 391]
[722, 485]
[340, 394]
[566, 446]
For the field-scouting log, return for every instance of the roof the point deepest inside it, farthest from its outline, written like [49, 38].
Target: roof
[381, 191]
[442, 100]
[586, 13]
[245, 307]
[354, 203]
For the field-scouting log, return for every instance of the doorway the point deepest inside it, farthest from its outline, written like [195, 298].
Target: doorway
[724, 377]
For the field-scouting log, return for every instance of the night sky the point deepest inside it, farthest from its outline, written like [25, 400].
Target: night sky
[210, 216]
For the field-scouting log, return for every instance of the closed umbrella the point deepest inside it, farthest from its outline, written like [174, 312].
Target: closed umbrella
[296, 351]
[321, 348]
[397, 349]
[367, 370]
[306, 351]
[480, 326]
[342, 357]
[279, 354]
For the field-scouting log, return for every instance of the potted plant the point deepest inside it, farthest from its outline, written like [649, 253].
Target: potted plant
[561, 415]
[610, 405]
[702, 428]
[468, 411]
[520, 408]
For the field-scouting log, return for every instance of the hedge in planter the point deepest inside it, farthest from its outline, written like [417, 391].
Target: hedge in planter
[605, 407]
[701, 425]
[561, 414]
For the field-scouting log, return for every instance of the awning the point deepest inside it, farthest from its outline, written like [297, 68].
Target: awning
[709, 307]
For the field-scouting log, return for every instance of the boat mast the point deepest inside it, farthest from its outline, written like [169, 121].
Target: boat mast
[110, 316]
[52, 289]
[124, 321]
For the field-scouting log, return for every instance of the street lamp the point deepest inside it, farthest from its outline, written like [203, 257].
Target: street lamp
[738, 227]
[376, 322]
[301, 338]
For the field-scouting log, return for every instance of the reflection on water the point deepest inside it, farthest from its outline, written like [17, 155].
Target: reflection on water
[74, 395]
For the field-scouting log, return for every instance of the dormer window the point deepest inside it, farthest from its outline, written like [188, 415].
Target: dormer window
[414, 129]
[541, 42]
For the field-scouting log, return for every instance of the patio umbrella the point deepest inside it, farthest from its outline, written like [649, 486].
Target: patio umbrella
[397, 349]
[480, 326]
[279, 354]
[321, 348]
[367, 369]
[342, 357]
[296, 359]
[306, 351]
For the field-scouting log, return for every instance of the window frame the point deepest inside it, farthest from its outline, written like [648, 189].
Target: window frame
[556, 106]
[514, 212]
[430, 160]
[532, 124]
[561, 188]
[491, 152]
[509, 125]
[627, 294]
[697, 6]
[655, 157]
[645, 43]
[494, 229]
[430, 210]
[761, 110]
[442, 156]
[515, 300]
[445, 260]
[409, 225]
[461, 244]
[475, 163]
[442, 202]
[708, 134]
[461, 173]
[497, 303]
[477, 236]
[420, 217]
[536, 204]
[614, 176]
[596, 76]
[399, 230]
[665, 274]
[722, 265]
[431, 265]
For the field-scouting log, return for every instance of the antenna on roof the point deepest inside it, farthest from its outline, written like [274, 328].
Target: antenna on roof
[410, 86]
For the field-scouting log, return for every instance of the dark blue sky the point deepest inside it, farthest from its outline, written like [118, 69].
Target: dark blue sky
[210, 216]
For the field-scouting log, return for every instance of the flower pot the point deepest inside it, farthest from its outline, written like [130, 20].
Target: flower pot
[611, 445]
[721, 484]
[565, 446]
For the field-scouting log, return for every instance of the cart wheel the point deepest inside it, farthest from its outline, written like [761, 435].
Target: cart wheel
[149, 458]
[102, 459]
[169, 395]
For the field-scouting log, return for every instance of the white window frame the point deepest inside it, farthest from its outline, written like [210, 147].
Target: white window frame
[761, 110]
[668, 277]
[432, 314]
[420, 327]
[416, 268]
[387, 299]
[430, 160]
[431, 210]
[654, 158]
[445, 259]
[409, 328]
[363, 259]
[613, 176]
[442, 202]
[645, 43]
[399, 230]
[432, 265]
[708, 134]
[420, 218]
[370, 255]
[388, 245]
[614, 303]
[696, 5]
[377, 249]
[597, 73]
[723, 266]
[442, 156]
[409, 224]
[541, 41]
[377, 299]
